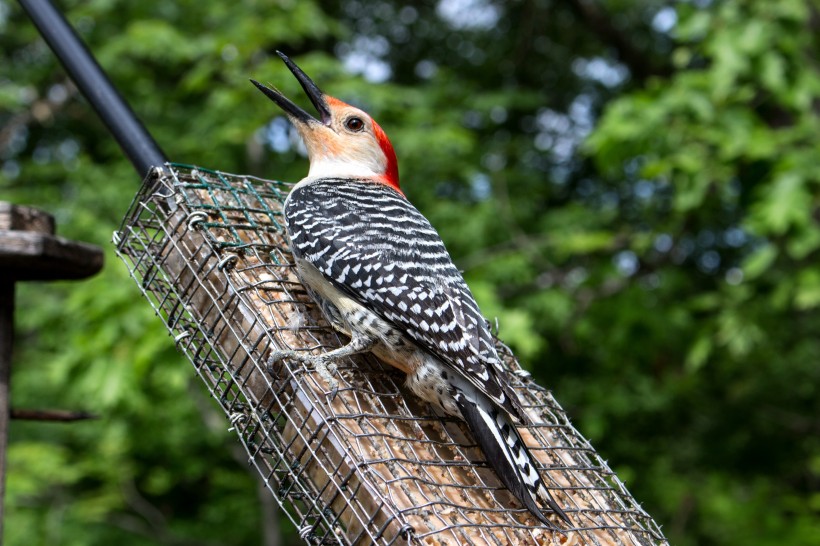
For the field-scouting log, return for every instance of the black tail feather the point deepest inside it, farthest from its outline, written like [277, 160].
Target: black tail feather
[495, 432]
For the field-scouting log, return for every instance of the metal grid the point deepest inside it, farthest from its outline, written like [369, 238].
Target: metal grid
[372, 464]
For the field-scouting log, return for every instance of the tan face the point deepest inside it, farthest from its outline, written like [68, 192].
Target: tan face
[348, 145]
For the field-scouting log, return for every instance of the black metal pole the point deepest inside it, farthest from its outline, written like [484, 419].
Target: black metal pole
[132, 136]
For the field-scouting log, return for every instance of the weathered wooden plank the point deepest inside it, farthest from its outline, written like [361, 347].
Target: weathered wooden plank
[30, 256]
[23, 218]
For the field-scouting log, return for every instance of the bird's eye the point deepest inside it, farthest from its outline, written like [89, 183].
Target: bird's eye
[354, 124]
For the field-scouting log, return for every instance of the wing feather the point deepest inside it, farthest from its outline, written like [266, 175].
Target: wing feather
[370, 242]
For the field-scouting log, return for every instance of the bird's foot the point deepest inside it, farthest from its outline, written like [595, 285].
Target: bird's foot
[321, 364]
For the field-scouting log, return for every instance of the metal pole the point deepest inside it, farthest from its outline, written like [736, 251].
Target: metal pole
[6, 335]
[132, 136]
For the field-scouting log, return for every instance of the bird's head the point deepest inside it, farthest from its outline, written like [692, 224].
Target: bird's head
[344, 141]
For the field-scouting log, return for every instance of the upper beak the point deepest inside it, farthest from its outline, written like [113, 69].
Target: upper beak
[313, 92]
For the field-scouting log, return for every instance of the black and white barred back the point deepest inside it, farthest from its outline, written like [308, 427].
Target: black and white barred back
[374, 246]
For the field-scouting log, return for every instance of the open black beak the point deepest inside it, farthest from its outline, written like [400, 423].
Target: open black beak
[313, 92]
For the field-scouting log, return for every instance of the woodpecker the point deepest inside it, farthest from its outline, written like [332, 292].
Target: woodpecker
[381, 275]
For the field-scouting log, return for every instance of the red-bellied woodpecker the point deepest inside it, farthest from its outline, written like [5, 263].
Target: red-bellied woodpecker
[381, 275]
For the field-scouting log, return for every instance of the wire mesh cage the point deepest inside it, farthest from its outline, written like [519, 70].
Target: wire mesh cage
[365, 464]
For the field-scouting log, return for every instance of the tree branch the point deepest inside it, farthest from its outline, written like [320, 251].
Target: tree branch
[57, 416]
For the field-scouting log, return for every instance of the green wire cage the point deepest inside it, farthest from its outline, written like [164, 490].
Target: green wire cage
[370, 464]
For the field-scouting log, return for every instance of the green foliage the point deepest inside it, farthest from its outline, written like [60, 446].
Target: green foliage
[733, 131]
[641, 218]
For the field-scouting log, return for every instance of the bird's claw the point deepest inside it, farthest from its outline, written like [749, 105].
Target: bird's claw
[276, 356]
[317, 363]
[326, 370]
[331, 396]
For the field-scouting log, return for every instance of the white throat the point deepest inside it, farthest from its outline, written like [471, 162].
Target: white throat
[334, 168]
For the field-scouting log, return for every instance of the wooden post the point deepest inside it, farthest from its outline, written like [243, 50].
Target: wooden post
[29, 250]
[6, 335]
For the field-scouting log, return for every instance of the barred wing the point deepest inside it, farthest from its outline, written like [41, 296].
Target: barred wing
[370, 242]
